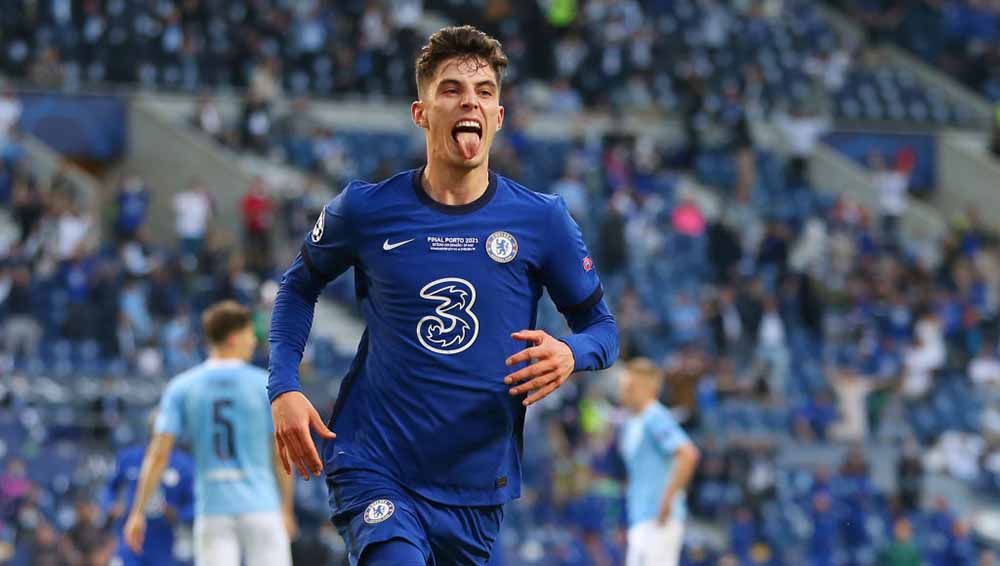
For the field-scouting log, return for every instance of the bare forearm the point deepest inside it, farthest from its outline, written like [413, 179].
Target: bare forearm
[687, 462]
[153, 464]
[286, 485]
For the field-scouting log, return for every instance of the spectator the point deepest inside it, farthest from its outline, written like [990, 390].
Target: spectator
[47, 549]
[772, 350]
[923, 359]
[10, 113]
[258, 220]
[193, 208]
[208, 119]
[22, 331]
[910, 475]
[901, 551]
[891, 184]
[984, 369]
[801, 131]
[133, 206]
[89, 541]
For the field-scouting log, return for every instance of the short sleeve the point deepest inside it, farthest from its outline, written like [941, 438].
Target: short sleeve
[667, 435]
[328, 249]
[170, 418]
[568, 271]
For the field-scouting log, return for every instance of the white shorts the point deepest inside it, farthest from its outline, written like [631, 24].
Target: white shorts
[653, 544]
[259, 538]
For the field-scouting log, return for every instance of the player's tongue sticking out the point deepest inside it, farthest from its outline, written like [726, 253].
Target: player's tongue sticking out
[468, 135]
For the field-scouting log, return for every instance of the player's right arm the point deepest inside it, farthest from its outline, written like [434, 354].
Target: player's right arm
[670, 438]
[286, 487]
[153, 464]
[327, 252]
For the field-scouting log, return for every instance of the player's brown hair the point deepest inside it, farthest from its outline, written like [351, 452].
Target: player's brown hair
[223, 319]
[463, 42]
[644, 368]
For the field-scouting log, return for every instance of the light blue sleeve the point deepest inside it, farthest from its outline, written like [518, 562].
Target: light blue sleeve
[170, 419]
[667, 435]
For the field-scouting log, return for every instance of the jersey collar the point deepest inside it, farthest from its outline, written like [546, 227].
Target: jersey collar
[473, 206]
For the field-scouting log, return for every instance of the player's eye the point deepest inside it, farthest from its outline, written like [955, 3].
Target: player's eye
[485, 93]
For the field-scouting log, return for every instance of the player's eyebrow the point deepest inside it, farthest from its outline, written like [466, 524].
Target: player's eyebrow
[455, 82]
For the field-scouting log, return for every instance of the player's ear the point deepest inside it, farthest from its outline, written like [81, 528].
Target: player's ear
[418, 114]
[500, 119]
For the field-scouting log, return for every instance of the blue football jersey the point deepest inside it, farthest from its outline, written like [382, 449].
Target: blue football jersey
[442, 289]
[176, 489]
[221, 407]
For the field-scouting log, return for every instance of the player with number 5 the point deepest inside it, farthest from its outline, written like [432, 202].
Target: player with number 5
[243, 500]
[450, 261]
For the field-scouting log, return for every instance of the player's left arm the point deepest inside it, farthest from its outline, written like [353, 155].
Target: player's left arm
[569, 274]
[671, 439]
[153, 464]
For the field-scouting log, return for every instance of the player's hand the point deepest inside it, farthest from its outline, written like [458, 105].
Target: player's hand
[666, 508]
[553, 364]
[294, 416]
[135, 532]
[291, 525]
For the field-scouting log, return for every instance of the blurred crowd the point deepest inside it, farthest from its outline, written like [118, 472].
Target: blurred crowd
[796, 329]
[959, 37]
[683, 57]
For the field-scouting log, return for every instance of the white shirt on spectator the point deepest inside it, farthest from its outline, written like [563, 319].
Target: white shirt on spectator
[72, 229]
[891, 185]
[802, 133]
[193, 209]
[984, 370]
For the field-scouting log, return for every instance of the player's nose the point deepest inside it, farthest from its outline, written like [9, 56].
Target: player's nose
[469, 101]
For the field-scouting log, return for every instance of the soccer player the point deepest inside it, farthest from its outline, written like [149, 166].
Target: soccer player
[660, 461]
[450, 262]
[243, 501]
[171, 504]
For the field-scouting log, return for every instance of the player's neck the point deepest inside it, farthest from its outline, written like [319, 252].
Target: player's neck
[640, 407]
[453, 187]
[225, 355]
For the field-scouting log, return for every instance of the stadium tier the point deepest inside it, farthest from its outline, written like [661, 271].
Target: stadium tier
[759, 184]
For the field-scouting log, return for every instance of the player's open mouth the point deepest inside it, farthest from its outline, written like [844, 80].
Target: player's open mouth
[468, 134]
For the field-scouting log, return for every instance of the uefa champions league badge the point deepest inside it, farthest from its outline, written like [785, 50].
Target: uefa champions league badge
[317, 233]
[378, 511]
[501, 247]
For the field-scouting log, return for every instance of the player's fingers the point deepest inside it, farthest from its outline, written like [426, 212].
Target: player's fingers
[541, 393]
[525, 355]
[536, 383]
[283, 455]
[535, 336]
[297, 453]
[534, 370]
[307, 449]
[319, 426]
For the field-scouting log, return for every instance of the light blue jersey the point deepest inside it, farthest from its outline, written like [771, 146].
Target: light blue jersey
[648, 443]
[221, 407]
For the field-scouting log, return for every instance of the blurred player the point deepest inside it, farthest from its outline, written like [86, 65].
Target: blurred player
[221, 407]
[171, 505]
[450, 261]
[660, 461]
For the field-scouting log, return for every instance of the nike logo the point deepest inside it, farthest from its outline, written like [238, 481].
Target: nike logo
[389, 247]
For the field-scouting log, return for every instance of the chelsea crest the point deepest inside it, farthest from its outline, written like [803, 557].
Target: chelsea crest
[501, 247]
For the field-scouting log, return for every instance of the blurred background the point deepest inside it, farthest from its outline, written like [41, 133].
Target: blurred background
[792, 205]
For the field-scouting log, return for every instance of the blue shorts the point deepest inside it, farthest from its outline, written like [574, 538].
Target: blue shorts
[369, 508]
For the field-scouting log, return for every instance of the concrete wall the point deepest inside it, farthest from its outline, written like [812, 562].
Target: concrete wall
[968, 176]
[832, 171]
[168, 156]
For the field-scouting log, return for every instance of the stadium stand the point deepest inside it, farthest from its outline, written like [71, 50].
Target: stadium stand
[840, 375]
